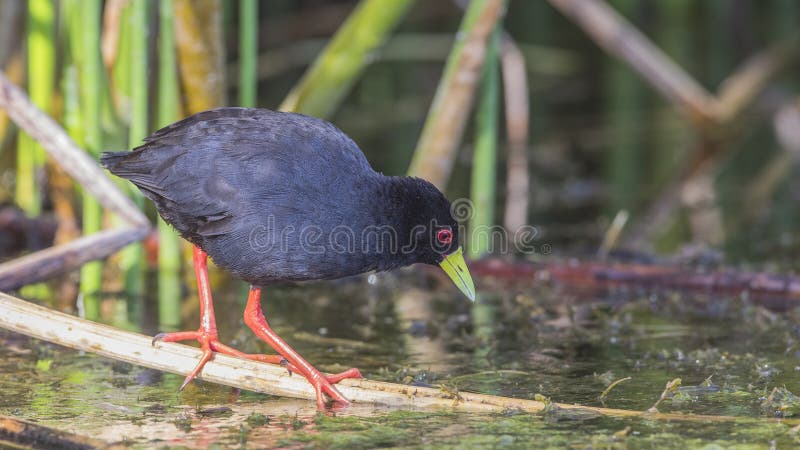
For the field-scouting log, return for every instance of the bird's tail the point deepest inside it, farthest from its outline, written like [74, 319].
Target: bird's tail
[135, 167]
[112, 160]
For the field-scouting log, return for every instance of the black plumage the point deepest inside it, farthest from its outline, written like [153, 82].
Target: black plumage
[275, 196]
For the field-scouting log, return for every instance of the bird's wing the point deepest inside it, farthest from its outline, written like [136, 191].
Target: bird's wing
[271, 131]
[206, 172]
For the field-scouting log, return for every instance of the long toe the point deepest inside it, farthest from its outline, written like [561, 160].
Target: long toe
[177, 336]
[207, 339]
[349, 373]
[207, 354]
[269, 359]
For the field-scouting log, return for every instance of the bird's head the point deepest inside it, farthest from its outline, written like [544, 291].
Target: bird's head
[434, 233]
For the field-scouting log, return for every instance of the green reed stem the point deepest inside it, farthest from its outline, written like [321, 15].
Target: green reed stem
[169, 244]
[133, 255]
[484, 163]
[41, 79]
[91, 73]
[70, 81]
[248, 52]
[623, 110]
[660, 164]
[121, 71]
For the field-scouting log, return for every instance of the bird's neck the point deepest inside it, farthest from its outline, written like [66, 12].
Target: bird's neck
[395, 197]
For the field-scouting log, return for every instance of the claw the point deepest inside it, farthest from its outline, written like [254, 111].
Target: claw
[186, 382]
[207, 354]
[157, 338]
[285, 363]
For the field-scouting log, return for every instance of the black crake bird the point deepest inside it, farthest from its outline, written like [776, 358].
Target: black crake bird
[273, 196]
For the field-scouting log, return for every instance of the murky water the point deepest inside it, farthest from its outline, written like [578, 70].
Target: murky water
[515, 341]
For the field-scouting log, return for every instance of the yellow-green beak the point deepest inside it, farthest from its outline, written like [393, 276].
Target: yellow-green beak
[455, 267]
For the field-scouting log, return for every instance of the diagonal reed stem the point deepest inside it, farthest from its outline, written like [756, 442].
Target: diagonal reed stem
[41, 78]
[435, 153]
[336, 69]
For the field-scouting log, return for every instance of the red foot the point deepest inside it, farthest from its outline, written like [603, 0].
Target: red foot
[209, 343]
[323, 384]
[206, 335]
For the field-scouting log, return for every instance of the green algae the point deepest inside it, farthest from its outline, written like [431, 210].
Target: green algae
[257, 420]
[183, 423]
[527, 431]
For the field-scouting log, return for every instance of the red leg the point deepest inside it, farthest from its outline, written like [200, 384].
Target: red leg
[254, 318]
[207, 333]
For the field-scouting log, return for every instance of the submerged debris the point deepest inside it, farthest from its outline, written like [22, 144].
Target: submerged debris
[781, 403]
[257, 420]
[219, 411]
[669, 390]
[611, 386]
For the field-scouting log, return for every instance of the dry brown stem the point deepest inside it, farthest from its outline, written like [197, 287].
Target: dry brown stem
[201, 55]
[515, 89]
[714, 116]
[64, 258]
[109, 41]
[741, 88]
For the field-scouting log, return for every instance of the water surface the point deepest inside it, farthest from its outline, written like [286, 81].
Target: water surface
[520, 341]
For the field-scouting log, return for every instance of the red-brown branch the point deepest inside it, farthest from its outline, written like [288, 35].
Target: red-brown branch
[770, 290]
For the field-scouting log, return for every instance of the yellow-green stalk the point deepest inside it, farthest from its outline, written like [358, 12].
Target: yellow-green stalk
[336, 69]
[41, 78]
[484, 162]
[248, 52]
[91, 72]
[169, 243]
[133, 255]
[624, 104]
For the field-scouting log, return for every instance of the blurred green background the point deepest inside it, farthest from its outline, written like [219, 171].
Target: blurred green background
[558, 134]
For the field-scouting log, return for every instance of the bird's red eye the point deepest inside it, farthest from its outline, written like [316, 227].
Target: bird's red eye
[444, 236]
